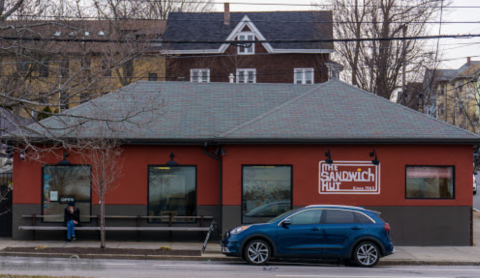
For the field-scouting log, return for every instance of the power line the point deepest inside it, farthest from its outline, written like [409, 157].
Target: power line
[271, 21]
[449, 36]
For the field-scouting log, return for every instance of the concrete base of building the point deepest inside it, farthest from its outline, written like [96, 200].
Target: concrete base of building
[428, 226]
[410, 226]
[123, 210]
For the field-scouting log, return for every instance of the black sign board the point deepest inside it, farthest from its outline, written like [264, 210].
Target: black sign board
[64, 199]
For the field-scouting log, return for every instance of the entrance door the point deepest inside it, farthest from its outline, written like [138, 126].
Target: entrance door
[303, 236]
[5, 212]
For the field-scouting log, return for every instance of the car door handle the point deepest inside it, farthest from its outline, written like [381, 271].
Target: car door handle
[356, 228]
[315, 229]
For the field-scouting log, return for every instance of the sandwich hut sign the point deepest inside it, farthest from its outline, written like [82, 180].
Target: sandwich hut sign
[349, 177]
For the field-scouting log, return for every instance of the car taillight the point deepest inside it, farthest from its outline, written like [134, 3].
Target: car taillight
[387, 227]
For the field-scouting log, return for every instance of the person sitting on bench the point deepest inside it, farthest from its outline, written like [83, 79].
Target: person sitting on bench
[71, 219]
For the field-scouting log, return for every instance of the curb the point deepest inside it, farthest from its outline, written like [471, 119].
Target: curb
[210, 258]
[118, 256]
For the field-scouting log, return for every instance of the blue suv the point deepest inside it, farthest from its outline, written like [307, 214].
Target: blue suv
[352, 234]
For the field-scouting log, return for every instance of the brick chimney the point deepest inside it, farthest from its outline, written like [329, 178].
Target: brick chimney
[226, 14]
[469, 61]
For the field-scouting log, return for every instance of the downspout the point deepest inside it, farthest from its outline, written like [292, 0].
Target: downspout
[220, 175]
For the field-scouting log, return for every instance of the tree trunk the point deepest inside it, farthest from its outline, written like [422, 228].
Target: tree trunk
[102, 222]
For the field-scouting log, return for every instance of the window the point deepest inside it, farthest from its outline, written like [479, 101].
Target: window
[64, 100]
[303, 76]
[460, 85]
[200, 75]
[460, 107]
[64, 68]
[43, 70]
[152, 76]
[441, 109]
[246, 48]
[43, 98]
[246, 76]
[442, 89]
[361, 218]
[171, 191]
[128, 69]
[22, 68]
[339, 217]
[61, 184]
[84, 97]
[429, 182]
[106, 68]
[85, 63]
[266, 192]
[309, 217]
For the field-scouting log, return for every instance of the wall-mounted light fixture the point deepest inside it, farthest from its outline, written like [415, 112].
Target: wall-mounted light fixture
[329, 156]
[22, 154]
[220, 150]
[64, 160]
[375, 160]
[171, 162]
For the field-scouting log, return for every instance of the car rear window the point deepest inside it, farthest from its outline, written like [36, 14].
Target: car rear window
[361, 218]
[339, 217]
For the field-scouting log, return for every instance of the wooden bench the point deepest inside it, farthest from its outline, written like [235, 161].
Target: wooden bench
[138, 228]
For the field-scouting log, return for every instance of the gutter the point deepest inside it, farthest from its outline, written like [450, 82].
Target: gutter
[220, 184]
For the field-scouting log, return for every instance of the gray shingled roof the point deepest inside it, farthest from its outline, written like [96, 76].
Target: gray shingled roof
[273, 26]
[332, 111]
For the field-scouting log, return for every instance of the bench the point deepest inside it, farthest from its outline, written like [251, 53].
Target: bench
[138, 228]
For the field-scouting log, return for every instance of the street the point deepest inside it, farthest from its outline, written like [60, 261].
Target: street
[132, 268]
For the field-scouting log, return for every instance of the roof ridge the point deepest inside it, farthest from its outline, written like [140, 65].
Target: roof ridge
[271, 111]
[406, 108]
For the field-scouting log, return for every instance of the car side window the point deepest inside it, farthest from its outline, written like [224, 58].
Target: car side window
[339, 217]
[308, 217]
[361, 218]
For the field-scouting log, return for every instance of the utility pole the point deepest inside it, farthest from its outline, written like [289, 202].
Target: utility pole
[404, 90]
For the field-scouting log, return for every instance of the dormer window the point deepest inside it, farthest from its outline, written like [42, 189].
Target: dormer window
[101, 33]
[57, 34]
[246, 48]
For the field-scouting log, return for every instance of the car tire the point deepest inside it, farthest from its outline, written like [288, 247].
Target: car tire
[475, 192]
[366, 254]
[257, 252]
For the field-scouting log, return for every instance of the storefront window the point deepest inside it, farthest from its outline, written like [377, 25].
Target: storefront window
[267, 192]
[429, 182]
[62, 184]
[171, 191]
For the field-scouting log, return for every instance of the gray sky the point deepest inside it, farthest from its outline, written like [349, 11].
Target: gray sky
[453, 50]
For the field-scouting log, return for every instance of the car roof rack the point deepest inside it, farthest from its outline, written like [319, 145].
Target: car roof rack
[335, 206]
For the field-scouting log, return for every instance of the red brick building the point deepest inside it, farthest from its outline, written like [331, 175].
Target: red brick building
[208, 47]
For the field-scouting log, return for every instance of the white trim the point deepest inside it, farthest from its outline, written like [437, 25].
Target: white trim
[246, 71]
[233, 36]
[199, 78]
[304, 75]
[274, 50]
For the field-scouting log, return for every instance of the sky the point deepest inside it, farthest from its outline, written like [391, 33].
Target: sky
[453, 53]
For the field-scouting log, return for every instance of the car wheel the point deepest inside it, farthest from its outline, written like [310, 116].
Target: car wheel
[257, 252]
[475, 192]
[366, 254]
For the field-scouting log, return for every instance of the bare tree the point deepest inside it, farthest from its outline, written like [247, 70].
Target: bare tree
[104, 158]
[377, 65]
[145, 9]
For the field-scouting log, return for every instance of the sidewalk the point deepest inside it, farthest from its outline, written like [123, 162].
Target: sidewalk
[405, 255]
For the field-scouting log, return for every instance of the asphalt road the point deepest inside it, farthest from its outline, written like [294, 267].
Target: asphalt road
[191, 269]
